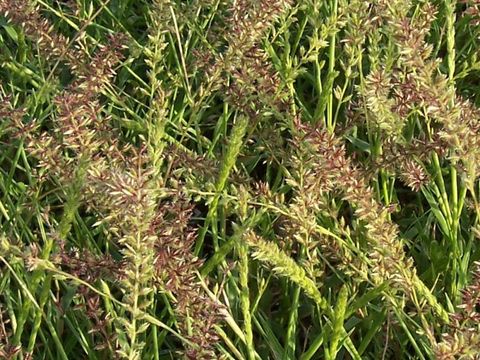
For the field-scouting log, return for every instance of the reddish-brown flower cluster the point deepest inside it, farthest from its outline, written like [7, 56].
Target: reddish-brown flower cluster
[80, 149]
[176, 272]
[51, 44]
[84, 265]
[334, 173]
[254, 84]
[463, 339]
[80, 129]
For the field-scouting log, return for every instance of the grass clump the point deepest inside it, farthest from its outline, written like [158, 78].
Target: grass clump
[239, 179]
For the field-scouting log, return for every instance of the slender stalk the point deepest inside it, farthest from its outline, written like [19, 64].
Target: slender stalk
[331, 69]
[245, 300]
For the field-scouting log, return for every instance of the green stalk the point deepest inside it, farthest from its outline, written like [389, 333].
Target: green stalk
[245, 300]
[236, 141]
[456, 191]
[290, 340]
[337, 321]
[331, 72]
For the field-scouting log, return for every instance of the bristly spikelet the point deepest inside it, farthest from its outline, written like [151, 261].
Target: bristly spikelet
[90, 268]
[302, 122]
[80, 129]
[375, 93]
[411, 86]
[154, 53]
[463, 339]
[285, 266]
[176, 273]
[122, 186]
[413, 174]
[336, 171]
[408, 159]
[414, 85]
[359, 23]
[51, 44]
[254, 84]
[128, 198]
[79, 146]
[381, 93]
[156, 243]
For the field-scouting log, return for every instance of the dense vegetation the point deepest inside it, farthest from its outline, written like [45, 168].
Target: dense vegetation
[239, 179]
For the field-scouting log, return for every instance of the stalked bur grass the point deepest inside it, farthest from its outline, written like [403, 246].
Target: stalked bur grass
[285, 266]
[337, 321]
[330, 149]
[245, 299]
[228, 162]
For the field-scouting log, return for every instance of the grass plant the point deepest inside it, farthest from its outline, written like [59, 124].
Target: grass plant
[239, 179]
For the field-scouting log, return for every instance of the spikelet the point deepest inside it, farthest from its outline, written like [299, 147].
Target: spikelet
[52, 45]
[463, 339]
[254, 85]
[335, 170]
[285, 266]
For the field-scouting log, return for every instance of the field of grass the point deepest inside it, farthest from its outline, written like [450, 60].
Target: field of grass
[239, 179]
